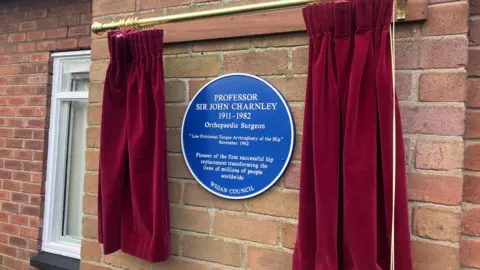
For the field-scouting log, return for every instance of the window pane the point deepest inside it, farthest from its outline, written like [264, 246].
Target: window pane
[80, 82]
[76, 125]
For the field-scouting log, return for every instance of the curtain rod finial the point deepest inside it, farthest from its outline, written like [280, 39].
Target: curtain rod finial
[97, 27]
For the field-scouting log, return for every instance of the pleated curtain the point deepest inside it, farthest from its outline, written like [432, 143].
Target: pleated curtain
[346, 183]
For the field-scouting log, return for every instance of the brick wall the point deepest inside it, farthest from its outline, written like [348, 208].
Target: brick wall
[470, 243]
[29, 31]
[210, 233]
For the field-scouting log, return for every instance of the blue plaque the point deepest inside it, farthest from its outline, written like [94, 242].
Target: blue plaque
[238, 136]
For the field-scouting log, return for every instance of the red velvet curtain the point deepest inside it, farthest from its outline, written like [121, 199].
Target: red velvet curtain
[133, 208]
[346, 171]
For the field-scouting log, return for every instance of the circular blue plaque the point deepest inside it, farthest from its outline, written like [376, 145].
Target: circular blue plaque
[238, 136]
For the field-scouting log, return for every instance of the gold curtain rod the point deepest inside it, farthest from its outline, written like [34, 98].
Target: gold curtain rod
[98, 27]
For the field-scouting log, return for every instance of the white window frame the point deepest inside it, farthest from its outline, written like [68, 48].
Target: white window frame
[52, 239]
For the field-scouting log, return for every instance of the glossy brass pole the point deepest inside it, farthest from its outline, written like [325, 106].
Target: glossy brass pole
[98, 27]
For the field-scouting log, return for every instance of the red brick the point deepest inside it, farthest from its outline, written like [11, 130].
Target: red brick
[91, 251]
[30, 232]
[90, 227]
[122, 260]
[79, 8]
[436, 188]
[60, 32]
[81, 30]
[37, 13]
[16, 37]
[9, 228]
[152, 4]
[58, 11]
[208, 249]
[4, 196]
[35, 200]
[190, 219]
[437, 223]
[469, 250]
[4, 18]
[18, 58]
[221, 45]
[90, 205]
[238, 227]
[276, 203]
[471, 188]
[14, 143]
[403, 85]
[432, 256]
[26, 47]
[291, 178]
[12, 185]
[86, 18]
[443, 87]
[98, 70]
[38, 79]
[472, 124]
[449, 18]
[20, 197]
[26, 26]
[272, 62]
[473, 61]
[16, 101]
[87, 266]
[197, 195]
[68, 20]
[31, 188]
[21, 176]
[192, 66]
[18, 242]
[432, 53]
[267, 259]
[46, 46]
[4, 238]
[473, 93]
[19, 219]
[433, 120]
[4, 174]
[8, 250]
[175, 91]
[474, 7]
[289, 235]
[300, 60]
[471, 221]
[6, 132]
[174, 115]
[30, 210]
[67, 44]
[12, 263]
[8, 28]
[32, 166]
[13, 164]
[178, 263]
[174, 192]
[84, 42]
[439, 154]
[47, 23]
[39, 57]
[474, 33]
[101, 8]
[8, 70]
[472, 156]
[34, 145]
[177, 168]
[35, 35]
